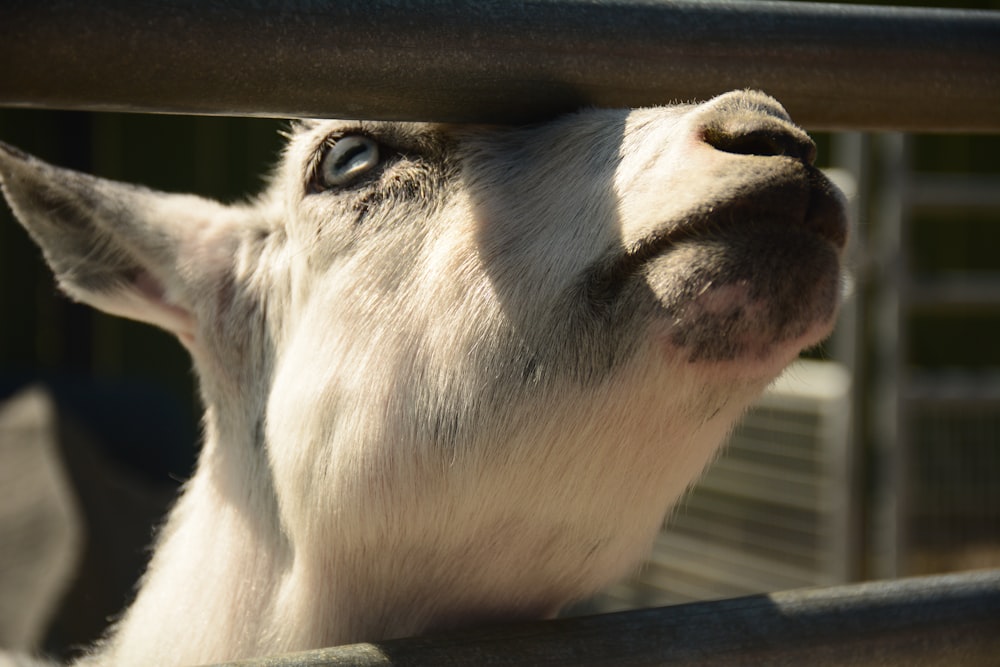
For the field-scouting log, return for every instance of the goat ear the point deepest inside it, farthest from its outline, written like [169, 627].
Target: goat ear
[124, 249]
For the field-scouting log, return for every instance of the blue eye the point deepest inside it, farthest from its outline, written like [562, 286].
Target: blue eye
[347, 159]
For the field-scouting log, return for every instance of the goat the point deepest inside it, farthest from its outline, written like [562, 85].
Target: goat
[452, 375]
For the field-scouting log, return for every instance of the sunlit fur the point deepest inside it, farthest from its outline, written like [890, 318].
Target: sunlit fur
[465, 387]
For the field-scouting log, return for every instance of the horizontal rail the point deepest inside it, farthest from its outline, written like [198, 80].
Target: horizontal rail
[955, 391]
[954, 291]
[929, 192]
[942, 621]
[834, 66]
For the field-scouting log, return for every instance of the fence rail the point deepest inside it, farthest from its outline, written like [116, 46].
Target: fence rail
[938, 621]
[834, 66]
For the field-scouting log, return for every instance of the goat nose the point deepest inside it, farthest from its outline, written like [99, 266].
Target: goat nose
[749, 132]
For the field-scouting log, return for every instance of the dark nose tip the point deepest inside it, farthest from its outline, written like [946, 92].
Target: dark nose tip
[766, 141]
[751, 123]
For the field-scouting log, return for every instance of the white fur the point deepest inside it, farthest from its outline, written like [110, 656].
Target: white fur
[462, 389]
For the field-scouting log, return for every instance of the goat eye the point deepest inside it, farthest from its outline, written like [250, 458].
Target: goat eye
[347, 159]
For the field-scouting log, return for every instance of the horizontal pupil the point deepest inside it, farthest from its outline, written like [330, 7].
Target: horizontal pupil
[349, 155]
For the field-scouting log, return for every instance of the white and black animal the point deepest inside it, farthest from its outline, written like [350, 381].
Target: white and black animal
[452, 375]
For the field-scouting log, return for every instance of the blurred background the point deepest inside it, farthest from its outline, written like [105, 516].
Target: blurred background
[876, 456]
[110, 403]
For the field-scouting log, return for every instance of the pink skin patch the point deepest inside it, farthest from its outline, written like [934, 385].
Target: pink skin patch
[725, 326]
[164, 313]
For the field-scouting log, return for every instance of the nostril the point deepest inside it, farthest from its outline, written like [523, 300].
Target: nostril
[763, 141]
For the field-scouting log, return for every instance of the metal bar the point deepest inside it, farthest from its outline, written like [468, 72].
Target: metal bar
[959, 392]
[834, 66]
[955, 291]
[890, 421]
[944, 620]
[945, 192]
